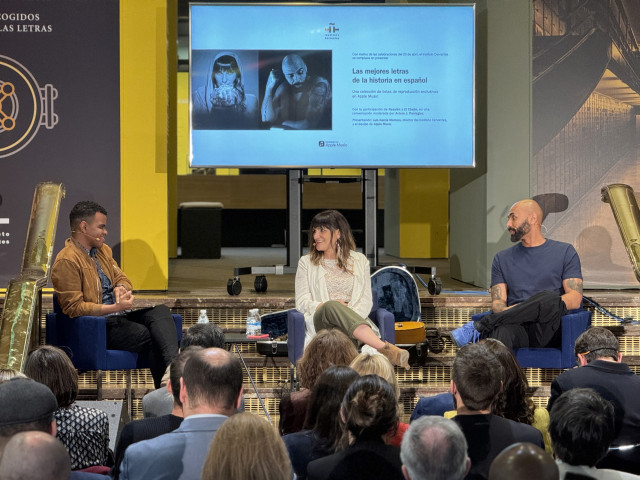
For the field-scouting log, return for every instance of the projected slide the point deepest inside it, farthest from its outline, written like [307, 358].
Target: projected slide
[332, 85]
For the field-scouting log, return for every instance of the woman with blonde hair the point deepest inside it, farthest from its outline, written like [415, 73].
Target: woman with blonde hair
[328, 348]
[247, 447]
[375, 364]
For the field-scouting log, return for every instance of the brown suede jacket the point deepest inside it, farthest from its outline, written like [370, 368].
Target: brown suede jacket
[76, 281]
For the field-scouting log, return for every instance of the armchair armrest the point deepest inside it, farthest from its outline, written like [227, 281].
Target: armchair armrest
[82, 336]
[295, 335]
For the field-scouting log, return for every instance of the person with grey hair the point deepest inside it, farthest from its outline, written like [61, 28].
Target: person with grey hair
[601, 368]
[434, 448]
[35, 455]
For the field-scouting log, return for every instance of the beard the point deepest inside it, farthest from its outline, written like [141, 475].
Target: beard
[521, 231]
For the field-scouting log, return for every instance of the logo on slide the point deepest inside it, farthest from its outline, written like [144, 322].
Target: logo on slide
[331, 32]
[24, 106]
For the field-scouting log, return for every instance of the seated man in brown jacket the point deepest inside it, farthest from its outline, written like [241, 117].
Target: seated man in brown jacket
[88, 281]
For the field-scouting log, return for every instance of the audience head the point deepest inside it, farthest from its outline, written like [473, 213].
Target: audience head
[7, 374]
[247, 447]
[177, 368]
[327, 348]
[84, 211]
[211, 382]
[476, 376]
[369, 409]
[595, 343]
[52, 367]
[434, 448]
[323, 413]
[523, 461]
[34, 455]
[376, 364]
[205, 335]
[513, 401]
[26, 405]
[581, 426]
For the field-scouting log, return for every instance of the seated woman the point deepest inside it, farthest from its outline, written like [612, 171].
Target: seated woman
[374, 364]
[333, 287]
[369, 411]
[328, 347]
[247, 447]
[83, 431]
[323, 420]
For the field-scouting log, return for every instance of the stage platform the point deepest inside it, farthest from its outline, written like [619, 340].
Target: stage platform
[195, 284]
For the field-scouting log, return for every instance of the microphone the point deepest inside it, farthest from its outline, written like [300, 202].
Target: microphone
[86, 234]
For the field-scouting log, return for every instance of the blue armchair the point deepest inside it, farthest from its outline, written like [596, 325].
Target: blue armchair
[573, 324]
[84, 339]
[296, 328]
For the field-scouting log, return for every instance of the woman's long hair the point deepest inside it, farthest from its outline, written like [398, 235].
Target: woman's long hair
[514, 401]
[323, 412]
[333, 220]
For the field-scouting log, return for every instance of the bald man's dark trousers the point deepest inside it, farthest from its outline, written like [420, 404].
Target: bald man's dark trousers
[532, 323]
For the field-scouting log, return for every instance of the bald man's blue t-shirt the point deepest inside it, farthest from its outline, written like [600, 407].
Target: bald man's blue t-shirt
[529, 270]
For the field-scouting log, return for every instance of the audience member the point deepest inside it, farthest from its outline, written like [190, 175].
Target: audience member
[9, 373]
[327, 348]
[523, 461]
[83, 431]
[434, 448]
[159, 402]
[28, 405]
[582, 428]
[147, 428]
[601, 368]
[34, 455]
[247, 447]
[210, 391]
[323, 426]
[369, 411]
[476, 383]
[513, 401]
[375, 364]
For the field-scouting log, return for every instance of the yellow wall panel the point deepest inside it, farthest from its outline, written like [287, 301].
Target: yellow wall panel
[424, 213]
[144, 126]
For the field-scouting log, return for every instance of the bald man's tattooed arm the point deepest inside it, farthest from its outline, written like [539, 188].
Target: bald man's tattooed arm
[572, 297]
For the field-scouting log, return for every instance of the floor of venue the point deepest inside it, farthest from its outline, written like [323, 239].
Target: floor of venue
[196, 284]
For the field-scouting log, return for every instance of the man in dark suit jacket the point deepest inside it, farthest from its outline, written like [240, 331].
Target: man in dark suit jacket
[210, 391]
[601, 369]
[476, 382]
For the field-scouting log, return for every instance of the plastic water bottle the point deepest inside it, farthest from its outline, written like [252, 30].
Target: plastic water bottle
[254, 326]
[203, 317]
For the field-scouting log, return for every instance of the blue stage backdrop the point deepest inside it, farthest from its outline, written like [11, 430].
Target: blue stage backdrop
[59, 113]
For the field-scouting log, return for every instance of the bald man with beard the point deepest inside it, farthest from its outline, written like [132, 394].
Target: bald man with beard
[301, 102]
[533, 284]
